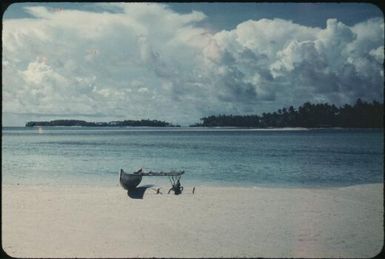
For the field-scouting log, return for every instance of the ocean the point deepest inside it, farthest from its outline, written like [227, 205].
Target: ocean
[209, 156]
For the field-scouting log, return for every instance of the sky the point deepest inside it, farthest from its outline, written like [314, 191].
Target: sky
[181, 62]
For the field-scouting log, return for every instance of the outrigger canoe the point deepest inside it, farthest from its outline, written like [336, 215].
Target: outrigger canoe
[130, 181]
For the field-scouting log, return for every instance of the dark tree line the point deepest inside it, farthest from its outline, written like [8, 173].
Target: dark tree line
[133, 123]
[360, 115]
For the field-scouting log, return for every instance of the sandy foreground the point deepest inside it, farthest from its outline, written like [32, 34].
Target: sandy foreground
[87, 221]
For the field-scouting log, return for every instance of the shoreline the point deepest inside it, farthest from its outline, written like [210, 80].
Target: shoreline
[194, 183]
[96, 221]
[196, 128]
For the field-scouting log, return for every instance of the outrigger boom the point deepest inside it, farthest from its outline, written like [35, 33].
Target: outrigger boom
[171, 173]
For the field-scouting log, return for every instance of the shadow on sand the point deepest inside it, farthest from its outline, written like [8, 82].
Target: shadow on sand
[138, 192]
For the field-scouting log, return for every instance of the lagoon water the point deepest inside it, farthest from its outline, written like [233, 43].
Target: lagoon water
[72, 155]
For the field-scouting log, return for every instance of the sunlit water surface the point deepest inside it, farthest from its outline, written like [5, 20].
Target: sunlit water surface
[238, 157]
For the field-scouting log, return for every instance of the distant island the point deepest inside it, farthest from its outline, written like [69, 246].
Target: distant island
[323, 115]
[125, 123]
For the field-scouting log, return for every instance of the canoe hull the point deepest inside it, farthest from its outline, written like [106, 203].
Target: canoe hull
[129, 181]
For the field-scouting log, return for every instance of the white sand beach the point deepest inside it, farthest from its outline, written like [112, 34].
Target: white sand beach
[86, 221]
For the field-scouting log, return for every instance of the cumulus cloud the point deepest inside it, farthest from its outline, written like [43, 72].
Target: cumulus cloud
[147, 61]
[298, 63]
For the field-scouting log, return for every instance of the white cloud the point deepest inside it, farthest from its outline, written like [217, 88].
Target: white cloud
[378, 54]
[147, 61]
[304, 64]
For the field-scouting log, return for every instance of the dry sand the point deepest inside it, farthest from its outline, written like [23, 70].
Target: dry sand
[85, 221]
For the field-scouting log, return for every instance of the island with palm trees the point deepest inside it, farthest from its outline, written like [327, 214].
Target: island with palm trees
[82, 123]
[321, 115]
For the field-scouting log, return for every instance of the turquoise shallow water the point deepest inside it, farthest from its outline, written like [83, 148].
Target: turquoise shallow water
[320, 157]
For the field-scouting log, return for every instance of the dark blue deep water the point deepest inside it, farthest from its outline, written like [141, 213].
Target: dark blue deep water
[319, 157]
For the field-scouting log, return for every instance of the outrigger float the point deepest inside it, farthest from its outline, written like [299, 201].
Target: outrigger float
[130, 181]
